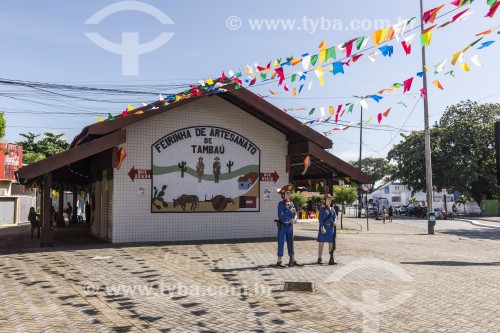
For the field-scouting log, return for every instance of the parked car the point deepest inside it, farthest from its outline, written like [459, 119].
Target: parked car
[421, 212]
[411, 210]
[403, 210]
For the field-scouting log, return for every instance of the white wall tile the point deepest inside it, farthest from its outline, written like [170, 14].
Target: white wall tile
[132, 217]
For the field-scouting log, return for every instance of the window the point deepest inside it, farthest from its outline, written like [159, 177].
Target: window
[396, 188]
[396, 199]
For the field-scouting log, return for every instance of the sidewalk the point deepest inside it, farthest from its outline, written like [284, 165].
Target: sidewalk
[483, 221]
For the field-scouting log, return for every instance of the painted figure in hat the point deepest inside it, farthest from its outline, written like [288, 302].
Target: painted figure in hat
[327, 233]
[200, 169]
[286, 217]
[216, 169]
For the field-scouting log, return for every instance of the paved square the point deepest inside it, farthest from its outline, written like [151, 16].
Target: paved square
[394, 276]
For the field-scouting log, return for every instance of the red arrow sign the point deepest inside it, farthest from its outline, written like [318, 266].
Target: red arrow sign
[269, 177]
[139, 174]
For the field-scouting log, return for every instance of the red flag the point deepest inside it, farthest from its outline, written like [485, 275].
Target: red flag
[253, 81]
[280, 73]
[379, 117]
[458, 15]
[356, 57]
[222, 77]
[424, 94]
[348, 48]
[407, 84]
[406, 47]
[264, 69]
[493, 9]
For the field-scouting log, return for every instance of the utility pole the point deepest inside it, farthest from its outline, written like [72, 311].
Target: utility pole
[427, 132]
[360, 198]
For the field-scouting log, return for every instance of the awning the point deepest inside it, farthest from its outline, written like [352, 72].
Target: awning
[71, 165]
[323, 164]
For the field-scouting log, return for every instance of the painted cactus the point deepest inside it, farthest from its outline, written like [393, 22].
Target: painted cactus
[183, 167]
[229, 165]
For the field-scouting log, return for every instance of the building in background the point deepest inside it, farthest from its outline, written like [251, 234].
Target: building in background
[14, 200]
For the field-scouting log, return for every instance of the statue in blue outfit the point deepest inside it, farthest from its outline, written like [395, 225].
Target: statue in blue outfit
[287, 216]
[327, 233]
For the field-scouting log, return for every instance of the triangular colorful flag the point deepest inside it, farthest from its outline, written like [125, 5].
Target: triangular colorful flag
[376, 98]
[363, 104]
[438, 84]
[450, 73]
[279, 72]
[407, 84]
[379, 117]
[387, 50]
[493, 9]
[110, 117]
[439, 67]
[465, 67]
[403, 104]
[424, 94]
[356, 57]
[386, 113]
[475, 60]
[338, 68]
[368, 120]
[130, 108]
[372, 56]
[457, 57]
[359, 42]
[99, 119]
[320, 71]
[486, 44]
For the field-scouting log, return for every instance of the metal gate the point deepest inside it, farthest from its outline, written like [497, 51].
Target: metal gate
[7, 211]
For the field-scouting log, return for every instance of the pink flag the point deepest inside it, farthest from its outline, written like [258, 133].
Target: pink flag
[407, 84]
[280, 73]
[422, 91]
[493, 9]
[379, 117]
[406, 47]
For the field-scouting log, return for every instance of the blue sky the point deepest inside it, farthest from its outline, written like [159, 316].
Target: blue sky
[46, 42]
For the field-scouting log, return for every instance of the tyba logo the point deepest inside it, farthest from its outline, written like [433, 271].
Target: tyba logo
[129, 49]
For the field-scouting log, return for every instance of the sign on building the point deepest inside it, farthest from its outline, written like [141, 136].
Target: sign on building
[11, 157]
[205, 169]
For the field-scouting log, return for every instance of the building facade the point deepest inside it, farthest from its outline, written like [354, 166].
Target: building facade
[205, 168]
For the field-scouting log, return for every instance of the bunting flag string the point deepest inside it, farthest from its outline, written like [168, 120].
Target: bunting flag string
[327, 56]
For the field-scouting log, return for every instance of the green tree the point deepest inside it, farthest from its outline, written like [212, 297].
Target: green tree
[34, 151]
[52, 144]
[31, 157]
[462, 150]
[29, 144]
[299, 201]
[344, 196]
[377, 168]
[2, 125]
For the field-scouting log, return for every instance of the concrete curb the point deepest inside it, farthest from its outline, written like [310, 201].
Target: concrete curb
[479, 224]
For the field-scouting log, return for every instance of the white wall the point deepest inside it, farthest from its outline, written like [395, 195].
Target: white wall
[132, 217]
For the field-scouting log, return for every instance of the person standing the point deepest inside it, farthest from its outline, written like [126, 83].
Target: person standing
[87, 212]
[286, 217]
[391, 213]
[384, 213]
[326, 233]
[69, 210]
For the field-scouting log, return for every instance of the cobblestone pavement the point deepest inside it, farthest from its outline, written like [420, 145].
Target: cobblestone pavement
[393, 279]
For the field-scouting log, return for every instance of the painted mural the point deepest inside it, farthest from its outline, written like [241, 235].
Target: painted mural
[205, 169]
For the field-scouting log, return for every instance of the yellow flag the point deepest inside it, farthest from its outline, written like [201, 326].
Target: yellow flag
[130, 107]
[320, 71]
[294, 92]
[210, 81]
[465, 67]
[322, 56]
[331, 110]
[368, 120]
[379, 36]
[99, 119]
[322, 46]
[455, 57]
